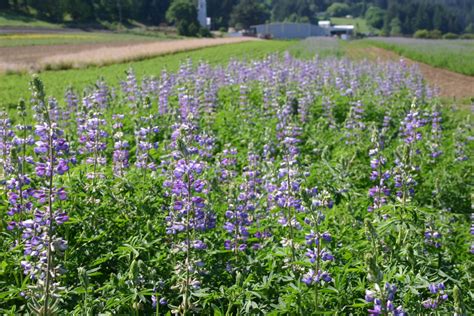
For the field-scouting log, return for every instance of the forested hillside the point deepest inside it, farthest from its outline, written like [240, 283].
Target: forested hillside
[392, 17]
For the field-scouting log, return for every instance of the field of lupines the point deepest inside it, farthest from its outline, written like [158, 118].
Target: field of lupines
[274, 186]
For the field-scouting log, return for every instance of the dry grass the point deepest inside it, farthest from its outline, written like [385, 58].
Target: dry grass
[77, 56]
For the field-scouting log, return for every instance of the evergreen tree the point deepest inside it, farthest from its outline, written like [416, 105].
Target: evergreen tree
[247, 13]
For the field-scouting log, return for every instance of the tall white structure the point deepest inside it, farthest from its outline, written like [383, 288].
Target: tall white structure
[202, 13]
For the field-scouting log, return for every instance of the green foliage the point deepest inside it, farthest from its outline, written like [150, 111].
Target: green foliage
[374, 17]
[183, 14]
[450, 36]
[470, 28]
[433, 34]
[395, 27]
[338, 9]
[247, 13]
[119, 252]
[421, 34]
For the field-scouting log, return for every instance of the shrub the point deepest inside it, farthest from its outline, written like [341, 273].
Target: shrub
[435, 34]
[421, 34]
[450, 36]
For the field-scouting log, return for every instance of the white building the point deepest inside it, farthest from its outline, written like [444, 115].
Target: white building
[324, 24]
[202, 13]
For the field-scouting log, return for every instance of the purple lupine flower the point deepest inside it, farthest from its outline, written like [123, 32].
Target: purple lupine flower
[386, 306]
[433, 238]
[41, 242]
[7, 136]
[165, 87]
[188, 214]
[434, 142]
[354, 124]
[237, 216]
[461, 138]
[131, 89]
[285, 196]
[317, 200]
[93, 143]
[328, 112]
[144, 135]
[438, 290]
[121, 147]
[380, 191]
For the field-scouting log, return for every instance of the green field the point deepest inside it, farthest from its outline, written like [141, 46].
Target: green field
[15, 86]
[454, 55]
[17, 20]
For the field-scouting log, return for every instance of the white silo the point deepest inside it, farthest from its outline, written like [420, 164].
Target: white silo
[202, 13]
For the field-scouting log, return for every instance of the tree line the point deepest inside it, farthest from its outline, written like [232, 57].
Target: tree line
[390, 17]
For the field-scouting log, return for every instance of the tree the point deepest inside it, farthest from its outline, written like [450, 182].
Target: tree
[81, 10]
[395, 27]
[183, 14]
[338, 9]
[4, 4]
[374, 17]
[247, 13]
[219, 12]
[469, 28]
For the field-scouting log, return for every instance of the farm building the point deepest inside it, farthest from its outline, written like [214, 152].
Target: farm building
[289, 30]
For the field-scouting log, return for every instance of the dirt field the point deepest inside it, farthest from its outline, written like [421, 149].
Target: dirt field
[33, 58]
[450, 84]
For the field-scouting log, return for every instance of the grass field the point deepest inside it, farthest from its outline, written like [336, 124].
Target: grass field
[34, 39]
[16, 20]
[15, 86]
[455, 55]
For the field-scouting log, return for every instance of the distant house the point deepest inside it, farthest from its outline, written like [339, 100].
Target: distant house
[342, 30]
[288, 30]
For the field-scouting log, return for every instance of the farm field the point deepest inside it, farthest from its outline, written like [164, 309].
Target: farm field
[455, 55]
[32, 58]
[235, 180]
[15, 86]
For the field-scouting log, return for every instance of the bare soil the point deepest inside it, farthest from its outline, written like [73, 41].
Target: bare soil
[34, 58]
[450, 84]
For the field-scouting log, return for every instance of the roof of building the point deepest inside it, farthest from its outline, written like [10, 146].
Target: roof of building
[343, 27]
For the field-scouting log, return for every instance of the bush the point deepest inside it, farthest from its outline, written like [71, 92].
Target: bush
[450, 36]
[421, 34]
[338, 9]
[467, 36]
[435, 34]
[204, 32]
